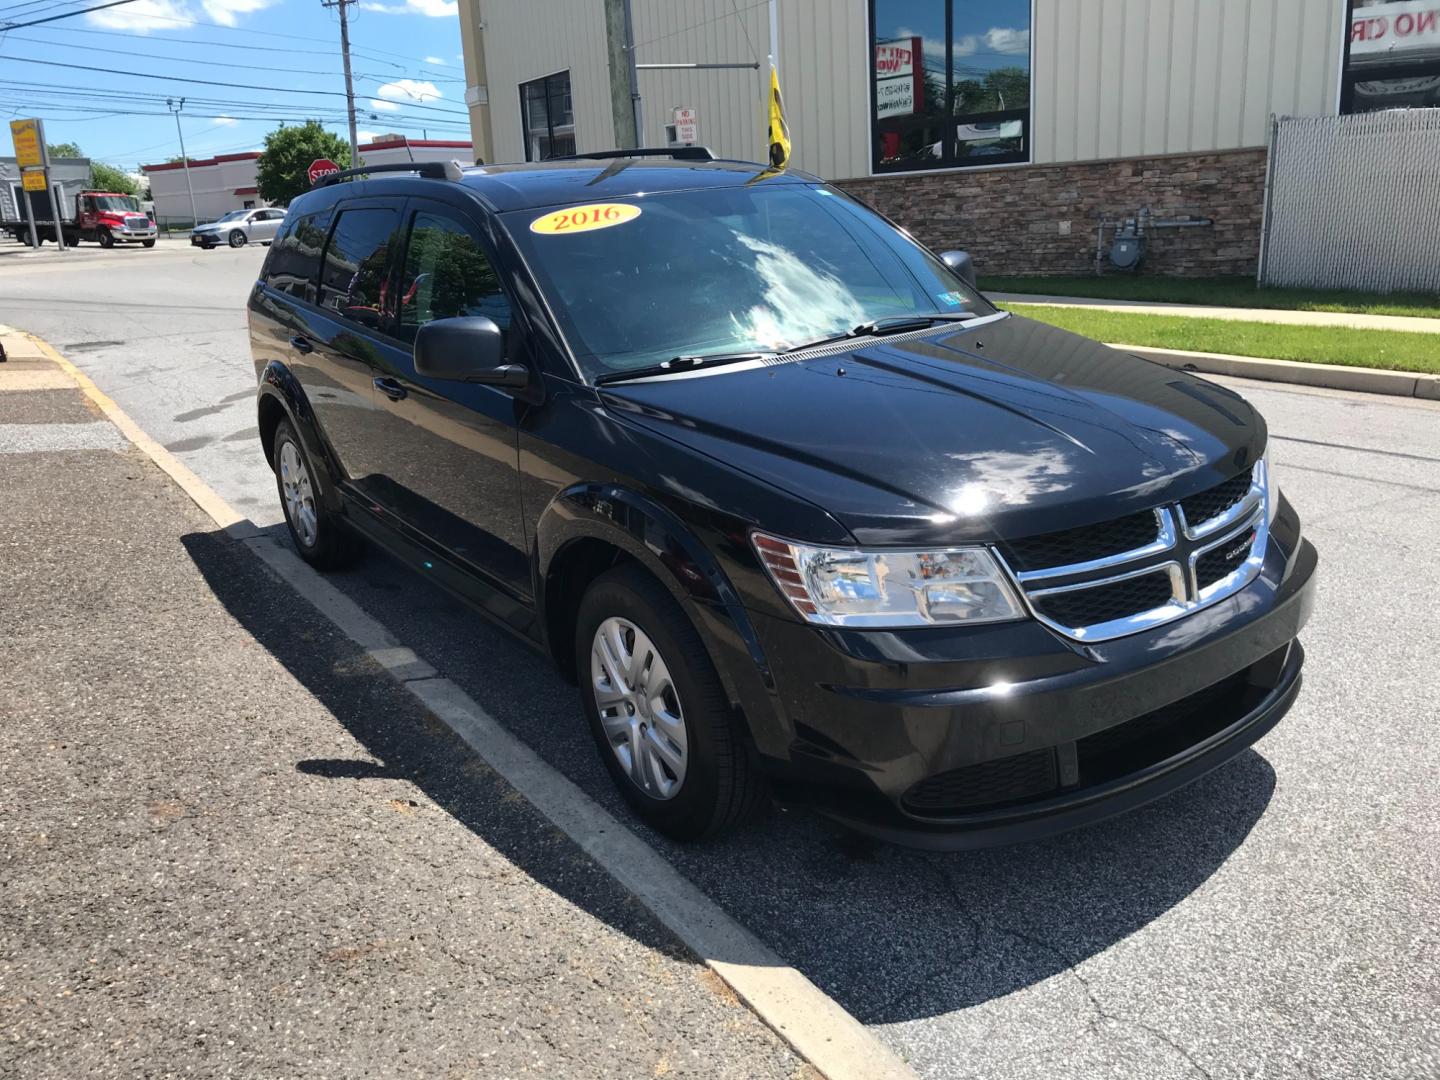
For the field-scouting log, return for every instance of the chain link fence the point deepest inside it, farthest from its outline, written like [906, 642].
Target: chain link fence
[1353, 202]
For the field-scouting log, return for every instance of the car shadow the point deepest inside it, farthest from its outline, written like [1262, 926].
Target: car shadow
[891, 934]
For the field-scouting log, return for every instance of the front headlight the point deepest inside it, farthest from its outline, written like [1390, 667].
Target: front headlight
[888, 589]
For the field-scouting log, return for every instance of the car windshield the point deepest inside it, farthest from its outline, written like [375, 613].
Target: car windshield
[234, 215]
[637, 281]
[116, 202]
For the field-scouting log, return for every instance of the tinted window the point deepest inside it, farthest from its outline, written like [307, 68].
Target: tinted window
[352, 279]
[548, 117]
[691, 273]
[447, 274]
[1393, 59]
[951, 83]
[294, 260]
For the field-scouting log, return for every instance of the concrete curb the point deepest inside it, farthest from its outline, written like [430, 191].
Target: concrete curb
[1331, 376]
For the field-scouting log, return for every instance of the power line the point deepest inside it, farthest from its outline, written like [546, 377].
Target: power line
[66, 15]
[225, 85]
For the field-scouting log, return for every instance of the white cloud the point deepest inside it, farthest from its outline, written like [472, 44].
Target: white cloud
[1004, 40]
[436, 9]
[226, 121]
[225, 11]
[406, 90]
[367, 136]
[933, 47]
[157, 16]
[143, 16]
[384, 106]
[434, 60]
[1007, 40]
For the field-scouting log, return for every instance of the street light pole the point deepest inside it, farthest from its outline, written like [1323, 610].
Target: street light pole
[170, 104]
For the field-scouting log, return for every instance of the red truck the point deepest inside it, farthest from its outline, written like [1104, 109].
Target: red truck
[106, 217]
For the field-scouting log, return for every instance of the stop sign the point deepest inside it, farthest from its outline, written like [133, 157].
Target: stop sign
[321, 167]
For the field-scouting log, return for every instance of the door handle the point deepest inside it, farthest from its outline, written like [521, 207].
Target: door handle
[390, 388]
[301, 344]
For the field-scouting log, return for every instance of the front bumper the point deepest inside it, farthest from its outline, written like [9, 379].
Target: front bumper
[956, 739]
[204, 239]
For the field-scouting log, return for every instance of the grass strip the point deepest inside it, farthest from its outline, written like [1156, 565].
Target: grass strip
[1219, 292]
[1391, 349]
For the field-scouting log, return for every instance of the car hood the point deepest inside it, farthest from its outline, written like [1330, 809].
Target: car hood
[217, 226]
[968, 434]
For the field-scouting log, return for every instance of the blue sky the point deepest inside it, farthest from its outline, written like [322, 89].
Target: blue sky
[405, 55]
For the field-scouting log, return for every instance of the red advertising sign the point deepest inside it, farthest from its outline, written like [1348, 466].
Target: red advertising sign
[899, 77]
[321, 167]
[1402, 26]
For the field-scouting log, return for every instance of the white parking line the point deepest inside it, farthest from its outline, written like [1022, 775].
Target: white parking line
[814, 1024]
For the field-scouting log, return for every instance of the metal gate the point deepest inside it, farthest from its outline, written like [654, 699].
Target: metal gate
[1353, 202]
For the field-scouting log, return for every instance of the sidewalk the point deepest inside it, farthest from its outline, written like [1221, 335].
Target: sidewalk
[233, 845]
[1353, 320]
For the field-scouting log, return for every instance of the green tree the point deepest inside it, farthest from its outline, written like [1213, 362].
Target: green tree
[280, 173]
[64, 149]
[108, 178]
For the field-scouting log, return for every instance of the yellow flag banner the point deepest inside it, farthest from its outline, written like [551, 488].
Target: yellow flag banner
[779, 134]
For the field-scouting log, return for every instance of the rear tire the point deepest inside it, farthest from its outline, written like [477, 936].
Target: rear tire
[699, 780]
[320, 536]
[237, 238]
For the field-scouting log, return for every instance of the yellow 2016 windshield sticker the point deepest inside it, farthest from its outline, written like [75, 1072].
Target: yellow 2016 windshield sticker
[585, 218]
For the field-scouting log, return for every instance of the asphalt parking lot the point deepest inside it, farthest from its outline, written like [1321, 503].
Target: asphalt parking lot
[1280, 918]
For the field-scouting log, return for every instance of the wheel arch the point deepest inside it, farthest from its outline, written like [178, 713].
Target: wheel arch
[588, 529]
[281, 397]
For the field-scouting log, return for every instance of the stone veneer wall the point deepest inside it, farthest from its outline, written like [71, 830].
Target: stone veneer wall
[1015, 220]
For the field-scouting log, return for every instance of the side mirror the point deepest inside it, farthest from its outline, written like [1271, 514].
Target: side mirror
[468, 349]
[962, 264]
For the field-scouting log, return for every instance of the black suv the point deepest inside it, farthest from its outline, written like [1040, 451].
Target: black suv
[794, 505]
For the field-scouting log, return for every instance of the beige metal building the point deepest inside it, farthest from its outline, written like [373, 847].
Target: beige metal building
[966, 119]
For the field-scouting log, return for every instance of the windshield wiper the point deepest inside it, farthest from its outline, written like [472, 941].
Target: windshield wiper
[679, 363]
[893, 324]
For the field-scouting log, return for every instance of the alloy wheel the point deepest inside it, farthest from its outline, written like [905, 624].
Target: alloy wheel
[639, 707]
[299, 494]
[237, 238]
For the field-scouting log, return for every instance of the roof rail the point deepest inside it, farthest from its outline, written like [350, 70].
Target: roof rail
[679, 153]
[430, 170]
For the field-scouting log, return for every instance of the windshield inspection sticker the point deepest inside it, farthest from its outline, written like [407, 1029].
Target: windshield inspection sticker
[585, 218]
[950, 299]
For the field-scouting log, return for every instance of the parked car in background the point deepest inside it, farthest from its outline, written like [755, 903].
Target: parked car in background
[790, 501]
[240, 227]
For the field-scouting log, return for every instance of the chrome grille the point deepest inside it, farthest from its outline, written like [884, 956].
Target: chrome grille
[1085, 543]
[1175, 559]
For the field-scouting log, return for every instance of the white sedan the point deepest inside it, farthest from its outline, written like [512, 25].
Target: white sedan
[240, 227]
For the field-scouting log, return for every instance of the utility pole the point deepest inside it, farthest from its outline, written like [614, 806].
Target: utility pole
[170, 104]
[624, 88]
[349, 84]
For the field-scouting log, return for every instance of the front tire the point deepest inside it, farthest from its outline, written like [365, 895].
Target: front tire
[147, 243]
[659, 714]
[319, 535]
[237, 238]
[106, 240]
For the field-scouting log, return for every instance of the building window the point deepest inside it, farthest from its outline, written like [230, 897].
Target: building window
[547, 117]
[950, 83]
[1392, 57]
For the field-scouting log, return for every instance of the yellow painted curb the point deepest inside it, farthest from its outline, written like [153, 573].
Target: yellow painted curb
[192, 485]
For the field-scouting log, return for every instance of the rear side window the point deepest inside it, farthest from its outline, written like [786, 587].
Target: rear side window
[447, 274]
[294, 261]
[352, 279]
